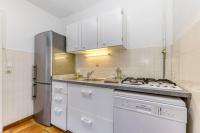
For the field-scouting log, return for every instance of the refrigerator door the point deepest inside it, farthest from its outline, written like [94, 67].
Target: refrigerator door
[42, 103]
[43, 57]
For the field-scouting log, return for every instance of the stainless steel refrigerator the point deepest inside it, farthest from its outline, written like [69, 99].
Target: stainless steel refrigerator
[50, 59]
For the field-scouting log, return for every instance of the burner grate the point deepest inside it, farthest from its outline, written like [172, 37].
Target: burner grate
[141, 81]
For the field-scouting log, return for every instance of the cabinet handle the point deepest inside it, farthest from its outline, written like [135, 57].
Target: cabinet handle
[58, 99]
[86, 93]
[86, 121]
[58, 111]
[58, 89]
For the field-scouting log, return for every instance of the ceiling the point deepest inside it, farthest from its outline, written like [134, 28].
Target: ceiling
[63, 8]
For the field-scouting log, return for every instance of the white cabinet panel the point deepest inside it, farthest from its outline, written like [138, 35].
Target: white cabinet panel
[89, 33]
[106, 30]
[95, 100]
[90, 109]
[59, 105]
[111, 28]
[73, 37]
[81, 122]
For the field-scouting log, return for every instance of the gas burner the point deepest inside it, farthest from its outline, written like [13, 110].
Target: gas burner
[151, 83]
[166, 81]
[133, 81]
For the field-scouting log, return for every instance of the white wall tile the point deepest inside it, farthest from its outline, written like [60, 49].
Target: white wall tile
[141, 62]
[17, 92]
[186, 72]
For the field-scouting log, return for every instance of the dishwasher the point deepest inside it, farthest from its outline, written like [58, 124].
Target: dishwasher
[141, 113]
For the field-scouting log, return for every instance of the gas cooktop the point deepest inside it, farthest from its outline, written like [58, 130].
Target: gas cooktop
[151, 83]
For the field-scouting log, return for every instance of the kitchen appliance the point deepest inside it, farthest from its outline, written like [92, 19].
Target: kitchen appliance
[50, 59]
[150, 83]
[140, 113]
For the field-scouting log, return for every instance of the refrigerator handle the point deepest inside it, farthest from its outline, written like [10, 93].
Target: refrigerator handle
[34, 90]
[34, 72]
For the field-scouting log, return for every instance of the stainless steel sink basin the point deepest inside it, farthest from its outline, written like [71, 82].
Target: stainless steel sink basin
[92, 79]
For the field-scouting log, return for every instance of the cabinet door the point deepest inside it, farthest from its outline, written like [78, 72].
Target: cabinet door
[89, 33]
[111, 28]
[73, 37]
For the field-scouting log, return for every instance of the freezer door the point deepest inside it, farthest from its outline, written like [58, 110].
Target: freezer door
[42, 103]
[43, 57]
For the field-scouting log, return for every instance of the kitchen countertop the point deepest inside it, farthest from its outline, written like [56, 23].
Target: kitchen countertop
[130, 88]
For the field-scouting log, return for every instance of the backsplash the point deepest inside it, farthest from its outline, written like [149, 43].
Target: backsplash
[140, 62]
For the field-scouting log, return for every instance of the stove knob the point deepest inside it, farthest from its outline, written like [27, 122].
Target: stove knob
[158, 85]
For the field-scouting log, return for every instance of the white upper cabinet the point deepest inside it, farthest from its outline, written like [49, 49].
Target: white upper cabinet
[112, 28]
[73, 37]
[97, 32]
[89, 28]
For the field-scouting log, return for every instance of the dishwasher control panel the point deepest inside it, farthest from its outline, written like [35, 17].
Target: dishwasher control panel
[164, 111]
[135, 105]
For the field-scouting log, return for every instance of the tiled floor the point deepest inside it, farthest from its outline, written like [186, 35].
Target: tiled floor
[31, 126]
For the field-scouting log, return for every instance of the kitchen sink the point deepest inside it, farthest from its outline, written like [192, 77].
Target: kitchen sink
[92, 79]
[95, 79]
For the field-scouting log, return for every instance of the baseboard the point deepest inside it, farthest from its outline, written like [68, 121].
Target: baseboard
[17, 122]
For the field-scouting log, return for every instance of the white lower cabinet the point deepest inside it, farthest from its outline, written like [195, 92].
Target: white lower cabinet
[90, 109]
[59, 105]
[81, 122]
[95, 100]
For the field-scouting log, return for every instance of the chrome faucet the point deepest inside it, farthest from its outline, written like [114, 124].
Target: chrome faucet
[89, 74]
[119, 74]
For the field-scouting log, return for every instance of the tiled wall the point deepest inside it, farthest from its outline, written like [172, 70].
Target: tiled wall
[141, 62]
[186, 70]
[17, 93]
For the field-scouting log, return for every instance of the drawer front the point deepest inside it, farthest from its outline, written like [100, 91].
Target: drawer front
[59, 105]
[59, 117]
[80, 122]
[94, 100]
[59, 88]
[59, 100]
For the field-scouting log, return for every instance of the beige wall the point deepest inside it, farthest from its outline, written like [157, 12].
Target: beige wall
[17, 92]
[186, 70]
[1, 43]
[140, 62]
[186, 54]
[23, 21]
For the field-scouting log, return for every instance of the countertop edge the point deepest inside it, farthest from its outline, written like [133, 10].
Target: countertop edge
[181, 94]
